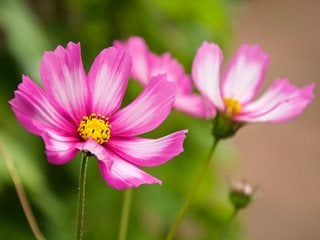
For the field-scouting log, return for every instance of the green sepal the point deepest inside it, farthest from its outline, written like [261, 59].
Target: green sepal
[224, 127]
[239, 199]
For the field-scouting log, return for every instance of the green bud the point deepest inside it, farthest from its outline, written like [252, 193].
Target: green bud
[241, 195]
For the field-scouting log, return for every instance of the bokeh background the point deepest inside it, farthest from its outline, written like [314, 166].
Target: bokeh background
[283, 159]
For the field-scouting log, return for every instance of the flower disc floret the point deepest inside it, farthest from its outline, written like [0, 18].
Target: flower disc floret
[96, 126]
[233, 107]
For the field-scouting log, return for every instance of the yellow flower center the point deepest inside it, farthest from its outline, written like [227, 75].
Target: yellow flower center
[233, 107]
[96, 126]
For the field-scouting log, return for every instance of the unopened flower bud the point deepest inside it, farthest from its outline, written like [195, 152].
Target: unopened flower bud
[241, 194]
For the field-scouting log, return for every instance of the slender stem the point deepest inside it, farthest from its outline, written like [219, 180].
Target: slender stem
[125, 212]
[229, 224]
[21, 193]
[81, 196]
[189, 198]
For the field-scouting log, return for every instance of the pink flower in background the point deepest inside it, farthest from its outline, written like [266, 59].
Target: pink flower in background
[74, 111]
[233, 93]
[147, 64]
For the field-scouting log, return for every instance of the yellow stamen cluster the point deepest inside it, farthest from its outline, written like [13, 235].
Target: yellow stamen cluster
[233, 107]
[96, 126]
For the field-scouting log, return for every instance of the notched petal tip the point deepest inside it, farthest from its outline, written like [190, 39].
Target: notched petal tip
[130, 43]
[205, 45]
[108, 79]
[171, 86]
[70, 45]
[307, 91]
[253, 51]
[73, 44]
[209, 50]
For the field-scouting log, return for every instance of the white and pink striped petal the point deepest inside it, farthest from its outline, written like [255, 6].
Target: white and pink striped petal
[195, 105]
[64, 79]
[149, 152]
[245, 74]
[166, 64]
[36, 111]
[139, 51]
[206, 72]
[283, 101]
[121, 174]
[108, 79]
[60, 148]
[147, 111]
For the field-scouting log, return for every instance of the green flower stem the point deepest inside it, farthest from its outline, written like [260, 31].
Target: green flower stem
[21, 193]
[229, 224]
[189, 198]
[81, 196]
[125, 212]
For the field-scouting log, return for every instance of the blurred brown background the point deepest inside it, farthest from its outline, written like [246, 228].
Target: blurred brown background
[288, 173]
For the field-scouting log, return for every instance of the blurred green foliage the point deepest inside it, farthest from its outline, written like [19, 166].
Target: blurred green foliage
[27, 29]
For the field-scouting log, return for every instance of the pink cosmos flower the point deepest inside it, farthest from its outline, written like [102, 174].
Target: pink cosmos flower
[233, 93]
[147, 64]
[74, 111]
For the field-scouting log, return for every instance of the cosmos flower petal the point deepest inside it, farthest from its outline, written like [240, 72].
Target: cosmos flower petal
[149, 152]
[60, 148]
[138, 50]
[121, 174]
[147, 111]
[245, 73]
[166, 64]
[108, 79]
[195, 105]
[94, 148]
[34, 109]
[283, 101]
[206, 71]
[147, 64]
[115, 171]
[64, 79]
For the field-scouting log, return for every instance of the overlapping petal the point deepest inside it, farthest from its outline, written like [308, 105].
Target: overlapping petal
[139, 51]
[206, 72]
[195, 105]
[147, 111]
[283, 101]
[108, 79]
[166, 64]
[64, 79]
[35, 111]
[60, 148]
[96, 149]
[245, 73]
[121, 174]
[147, 64]
[117, 172]
[149, 152]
